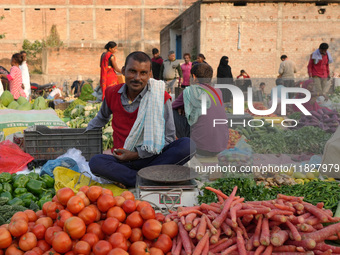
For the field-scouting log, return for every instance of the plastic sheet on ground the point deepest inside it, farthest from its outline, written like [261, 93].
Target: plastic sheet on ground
[65, 177]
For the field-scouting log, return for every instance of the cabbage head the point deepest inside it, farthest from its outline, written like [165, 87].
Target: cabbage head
[21, 100]
[6, 98]
[39, 104]
[13, 105]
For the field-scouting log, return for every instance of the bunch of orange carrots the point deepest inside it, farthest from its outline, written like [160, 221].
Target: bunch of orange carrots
[284, 226]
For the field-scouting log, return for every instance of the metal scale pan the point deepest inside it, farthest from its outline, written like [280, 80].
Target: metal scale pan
[168, 174]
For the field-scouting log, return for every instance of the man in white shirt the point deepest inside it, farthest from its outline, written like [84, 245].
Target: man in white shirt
[56, 94]
[25, 76]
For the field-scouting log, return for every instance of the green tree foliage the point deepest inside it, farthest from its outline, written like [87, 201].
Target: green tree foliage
[2, 35]
[34, 49]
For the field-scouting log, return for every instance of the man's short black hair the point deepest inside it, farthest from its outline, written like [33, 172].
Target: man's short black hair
[262, 84]
[242, 71]
[23, 52]
[155, 51]
[139, 56]
[283, 57]
[203, 72]
[323, 46]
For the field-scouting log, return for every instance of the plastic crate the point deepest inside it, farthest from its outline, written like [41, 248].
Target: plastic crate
[45, 143]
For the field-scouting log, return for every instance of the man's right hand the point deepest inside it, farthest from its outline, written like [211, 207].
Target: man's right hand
[125, 155]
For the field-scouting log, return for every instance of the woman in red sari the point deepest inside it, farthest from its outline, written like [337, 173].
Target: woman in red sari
[108, 67]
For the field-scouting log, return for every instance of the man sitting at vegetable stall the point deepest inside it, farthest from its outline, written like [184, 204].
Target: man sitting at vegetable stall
[143, 125]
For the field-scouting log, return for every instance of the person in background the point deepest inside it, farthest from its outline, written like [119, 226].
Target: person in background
[143, 125]
[15, 77]
[56, 93]
[25, 76]
[109, 67]
[171, 72]
[186, 67]
[318, 68]
[243, 80]
[157, 62]
[286, 72]
[200, 59]
[260, 95]
[311, 105]
[77, 86]
[224, 76]
[189, 121]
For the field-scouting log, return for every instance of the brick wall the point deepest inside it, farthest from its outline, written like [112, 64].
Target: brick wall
[133, 24]
[267, 31]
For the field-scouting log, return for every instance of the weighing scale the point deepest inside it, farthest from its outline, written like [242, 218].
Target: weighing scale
[167, 186]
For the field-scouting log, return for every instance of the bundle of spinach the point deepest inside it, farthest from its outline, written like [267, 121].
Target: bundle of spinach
[304, 140]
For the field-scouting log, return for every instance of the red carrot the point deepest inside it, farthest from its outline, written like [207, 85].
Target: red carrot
[217, 192]
[212, 246]
[223, 215]
[268, 250]
[230, 249]
[277, 239]
[262, 210]
[193, 232]
[318, 226]
[259, 250]
[308, 243]
[188, 221]
[285, 248]
[245, 212]
[277, 211]
[306, 215]
[290, 198]
[300, 249]
[182, 218]
[233, 213]
[185, 239]
[312, 220]
[240, 200]
[195, 222]
[246, 219]
[223, 245]
[210, 207]
[257, 233]
[220, 199]
[299, 207]
[322, 234]
[240, 243]
[306, 227]
[323, 247]
[295, 232]
[265, 235]
[320, 205]
[178, 246]
[202, 228]
[284, 207]
[293, 253]
[174, 245]
[226, 229]
[213, 230]
[279, 218]
[243, 229]
[316, 212]
[206, 249]
[186, 212]
[214, 238]
[249, 244]
[296, 220]
[201, 244]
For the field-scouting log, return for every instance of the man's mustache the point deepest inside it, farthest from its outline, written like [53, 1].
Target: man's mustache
[138, 82]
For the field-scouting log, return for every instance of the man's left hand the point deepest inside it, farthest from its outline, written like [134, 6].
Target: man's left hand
[125, 155]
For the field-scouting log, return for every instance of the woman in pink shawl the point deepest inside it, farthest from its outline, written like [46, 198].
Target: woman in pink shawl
[311, 105]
